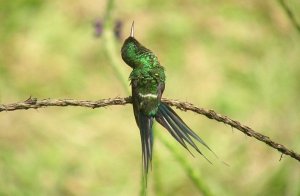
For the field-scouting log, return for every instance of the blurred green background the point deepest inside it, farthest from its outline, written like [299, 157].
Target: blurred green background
[240, 58]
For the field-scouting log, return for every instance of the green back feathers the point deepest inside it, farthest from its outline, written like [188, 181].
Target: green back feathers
[148, 78]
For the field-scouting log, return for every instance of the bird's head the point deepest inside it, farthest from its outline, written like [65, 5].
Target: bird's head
[132, 49]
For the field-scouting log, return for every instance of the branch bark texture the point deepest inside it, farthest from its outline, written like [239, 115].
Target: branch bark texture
[34, 103]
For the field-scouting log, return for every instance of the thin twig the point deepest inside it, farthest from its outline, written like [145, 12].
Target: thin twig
[194, 175]
[290, 14]
[110, 46]
[33, 103]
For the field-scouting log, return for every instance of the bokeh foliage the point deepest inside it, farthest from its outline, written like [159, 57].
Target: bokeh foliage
[240, 58]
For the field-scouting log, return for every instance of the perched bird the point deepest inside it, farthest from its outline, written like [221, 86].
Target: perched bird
[148, 84]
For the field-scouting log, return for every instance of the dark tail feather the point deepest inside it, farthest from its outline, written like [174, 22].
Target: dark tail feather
[145, 125]
[175, 125]
[182, 125]
[169, 126]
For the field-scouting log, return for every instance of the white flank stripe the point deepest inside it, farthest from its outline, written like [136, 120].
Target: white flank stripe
[148, 95]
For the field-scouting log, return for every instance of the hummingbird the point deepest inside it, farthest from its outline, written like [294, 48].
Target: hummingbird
[147, 81]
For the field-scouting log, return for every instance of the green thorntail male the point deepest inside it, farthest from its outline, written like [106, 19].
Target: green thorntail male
[148, 84]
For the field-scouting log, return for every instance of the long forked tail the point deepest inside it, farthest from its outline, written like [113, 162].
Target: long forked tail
[167, 117]
[145, 126]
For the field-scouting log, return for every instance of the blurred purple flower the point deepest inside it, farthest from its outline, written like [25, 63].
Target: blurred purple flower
[98, 26]
[118, 29]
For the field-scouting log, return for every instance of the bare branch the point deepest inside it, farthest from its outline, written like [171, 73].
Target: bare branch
[211, 114]
[33, 103]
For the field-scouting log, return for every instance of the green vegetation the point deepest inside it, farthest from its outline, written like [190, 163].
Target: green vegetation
[238, 58]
